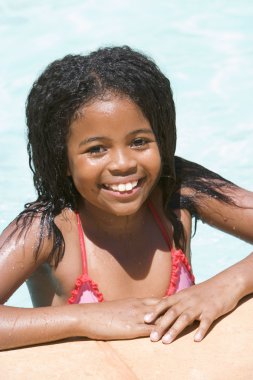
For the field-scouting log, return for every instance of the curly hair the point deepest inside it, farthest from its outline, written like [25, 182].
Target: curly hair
[57, 95]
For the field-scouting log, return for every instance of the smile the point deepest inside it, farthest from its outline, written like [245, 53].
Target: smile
[121, 187]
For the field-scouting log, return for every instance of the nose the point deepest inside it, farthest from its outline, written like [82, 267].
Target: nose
[122, 162]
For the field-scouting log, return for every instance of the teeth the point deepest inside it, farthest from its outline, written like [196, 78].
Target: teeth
[122, 187]
[113, 187]
[129, 186]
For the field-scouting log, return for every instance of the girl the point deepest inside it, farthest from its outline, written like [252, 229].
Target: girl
[105, 247]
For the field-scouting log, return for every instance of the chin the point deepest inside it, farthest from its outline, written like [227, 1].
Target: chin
[126, 210]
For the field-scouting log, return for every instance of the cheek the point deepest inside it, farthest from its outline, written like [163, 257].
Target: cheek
[82, 174]
[155, 164]
[157, 168]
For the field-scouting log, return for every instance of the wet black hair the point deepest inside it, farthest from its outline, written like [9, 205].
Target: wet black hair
[57, 95]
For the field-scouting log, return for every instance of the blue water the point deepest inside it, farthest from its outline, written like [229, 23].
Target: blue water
[204, 46]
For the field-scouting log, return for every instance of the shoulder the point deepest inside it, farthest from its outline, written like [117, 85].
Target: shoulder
[66, 221]
[18, 243]
[23, 234]
[181, 214]
[17, 254]
[28, 230]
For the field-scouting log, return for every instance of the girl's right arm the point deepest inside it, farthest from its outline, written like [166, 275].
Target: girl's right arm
[27, 326]
[122, 319]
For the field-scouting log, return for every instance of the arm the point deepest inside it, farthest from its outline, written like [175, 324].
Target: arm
[121, 319]
[220, 294]
[25, 326]
[234, 219]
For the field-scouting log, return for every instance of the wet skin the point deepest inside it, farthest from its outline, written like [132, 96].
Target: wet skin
[112, 144]
[115, 164]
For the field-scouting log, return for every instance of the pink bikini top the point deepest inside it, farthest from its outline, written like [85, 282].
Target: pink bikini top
[86, 290]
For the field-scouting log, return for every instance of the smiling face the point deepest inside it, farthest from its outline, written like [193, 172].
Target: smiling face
[113, 156]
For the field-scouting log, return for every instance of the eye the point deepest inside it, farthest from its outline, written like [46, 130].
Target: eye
[96, 150]
[139, 142]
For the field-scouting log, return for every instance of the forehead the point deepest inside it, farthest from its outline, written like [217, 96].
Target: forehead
[112, 110]
[108, 104]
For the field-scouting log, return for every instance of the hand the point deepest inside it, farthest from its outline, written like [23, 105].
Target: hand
[204, 302]
[121, 319]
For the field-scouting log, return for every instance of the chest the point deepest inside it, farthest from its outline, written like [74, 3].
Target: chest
[132, 265]
[136, 265]
[131, 269]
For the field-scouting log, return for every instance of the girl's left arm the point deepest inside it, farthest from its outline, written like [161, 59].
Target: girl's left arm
[235, 219]
[220, 294]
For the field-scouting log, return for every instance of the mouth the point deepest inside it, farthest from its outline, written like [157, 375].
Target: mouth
[122, 187]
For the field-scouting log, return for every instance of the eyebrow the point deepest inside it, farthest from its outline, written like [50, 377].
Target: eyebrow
[91, 139]
[103, 138]
[142, 130]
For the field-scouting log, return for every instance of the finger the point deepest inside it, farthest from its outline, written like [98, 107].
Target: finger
[132, 331]
[164, 324]
[151, 301]
[204, 326]
[142, 330]
[159, 309]
[184, 320]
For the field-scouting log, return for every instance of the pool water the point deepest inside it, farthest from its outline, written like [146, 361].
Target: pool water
[203, 46]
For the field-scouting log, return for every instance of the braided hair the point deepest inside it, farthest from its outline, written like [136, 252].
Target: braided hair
[53, 103]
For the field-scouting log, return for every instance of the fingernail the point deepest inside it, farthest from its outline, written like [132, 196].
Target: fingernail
[154, 336]
[148, 317]
[198, 337]
[167, 338]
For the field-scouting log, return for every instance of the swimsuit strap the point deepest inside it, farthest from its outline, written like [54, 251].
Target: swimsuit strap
[82, 244]
[160, 224]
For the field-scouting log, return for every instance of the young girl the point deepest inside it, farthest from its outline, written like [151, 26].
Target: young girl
[105, 247]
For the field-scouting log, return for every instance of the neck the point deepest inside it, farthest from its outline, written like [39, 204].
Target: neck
[111, 224]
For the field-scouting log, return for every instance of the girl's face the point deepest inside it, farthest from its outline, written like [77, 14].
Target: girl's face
[113, 155]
